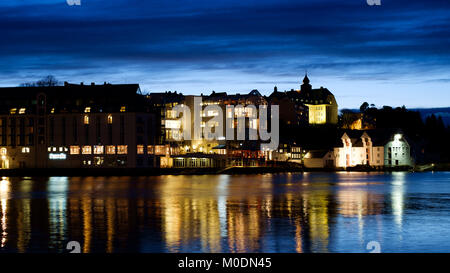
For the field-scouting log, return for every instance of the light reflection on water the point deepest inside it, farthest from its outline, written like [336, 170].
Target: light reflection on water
[310, 212]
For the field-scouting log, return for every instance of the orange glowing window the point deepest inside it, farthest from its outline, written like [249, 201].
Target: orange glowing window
[74, 150]
[87, 150]
[140, 149]
[122, 149]
[111, 149]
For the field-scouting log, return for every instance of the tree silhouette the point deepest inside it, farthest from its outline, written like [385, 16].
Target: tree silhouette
[50, 80]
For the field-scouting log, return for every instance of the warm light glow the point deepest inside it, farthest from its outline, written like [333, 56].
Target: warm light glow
[22, 111]
[140, 149]
[123, 109]
[74, 150]
[87, 109]
[173, 124]
[122, 149]
[86, 119]
[87, 150]
[317, 114]
[111, 149]
[25, 150]
[110, 119]
[13, 111]
[98, 149]
[150, 149]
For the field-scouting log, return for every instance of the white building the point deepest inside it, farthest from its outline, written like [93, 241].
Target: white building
[373, 148]
[397, 152]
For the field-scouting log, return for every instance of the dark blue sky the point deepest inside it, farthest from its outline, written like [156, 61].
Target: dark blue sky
[394, 54]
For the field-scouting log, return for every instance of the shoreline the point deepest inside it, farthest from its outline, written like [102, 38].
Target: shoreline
[197, 171]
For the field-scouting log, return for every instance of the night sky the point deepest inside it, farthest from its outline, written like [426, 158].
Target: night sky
[394, 54]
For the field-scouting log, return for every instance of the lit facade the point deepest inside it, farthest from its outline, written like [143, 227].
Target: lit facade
[75, 126]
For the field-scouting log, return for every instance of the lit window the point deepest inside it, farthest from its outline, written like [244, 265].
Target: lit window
[150, 149]
[54, 149]
[87, 109]
[140, 149]
[109, 119]
[98, 150]
[74, 150]
[87, 150]
[123, 109]
[25, 150]
[52, 111]
[49, 149]
[160, 150]
[22, 111]
[3, 151]
[122, 149]
[86, 119]
[61, 149]
[111, 150]
[13, 111]
[86, 162]
[98, 160]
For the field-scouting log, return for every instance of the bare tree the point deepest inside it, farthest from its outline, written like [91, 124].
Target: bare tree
[47, 81]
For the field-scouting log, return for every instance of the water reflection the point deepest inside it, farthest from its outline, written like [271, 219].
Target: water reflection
[4, 196]
[310, 212]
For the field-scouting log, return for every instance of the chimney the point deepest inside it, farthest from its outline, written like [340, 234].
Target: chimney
[92, 83]
[81, 83]
[66, 84]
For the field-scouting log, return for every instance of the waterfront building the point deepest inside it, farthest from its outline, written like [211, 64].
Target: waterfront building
[204, 151]
[319, 159]
[375, 148]
[75, 126]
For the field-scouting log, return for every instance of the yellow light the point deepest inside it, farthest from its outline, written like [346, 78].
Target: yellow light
[123, 109]
[13, 111]
[86, 119]
[87, 109]
[22, 111]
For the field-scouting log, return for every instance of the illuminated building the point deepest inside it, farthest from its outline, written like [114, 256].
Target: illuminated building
[75, 126]
[204, 151]
[306, 106]
[397, 151]
[373, 148]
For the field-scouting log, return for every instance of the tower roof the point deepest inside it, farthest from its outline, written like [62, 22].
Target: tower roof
[306, 79]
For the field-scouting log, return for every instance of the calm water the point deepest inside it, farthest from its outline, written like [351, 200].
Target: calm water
[311, 212]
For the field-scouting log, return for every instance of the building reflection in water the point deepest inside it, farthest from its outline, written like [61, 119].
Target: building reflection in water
[355, 200]
[4, 197]
[397, 196]
[57, 188]
[190, 212]
[209, 213]
[24, 215]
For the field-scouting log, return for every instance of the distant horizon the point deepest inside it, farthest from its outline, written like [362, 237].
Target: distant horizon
[263, 93]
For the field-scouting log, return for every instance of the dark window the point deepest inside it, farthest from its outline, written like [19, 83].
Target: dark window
[75, 130]
[52, 131]
[63, 133]
[98, 131]
[122, 130]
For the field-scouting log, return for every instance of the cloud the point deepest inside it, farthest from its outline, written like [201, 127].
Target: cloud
[272, 39]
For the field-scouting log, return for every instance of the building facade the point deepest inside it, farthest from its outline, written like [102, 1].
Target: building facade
[75, 126]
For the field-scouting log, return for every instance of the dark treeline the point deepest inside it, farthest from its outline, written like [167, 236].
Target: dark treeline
[430, 136]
